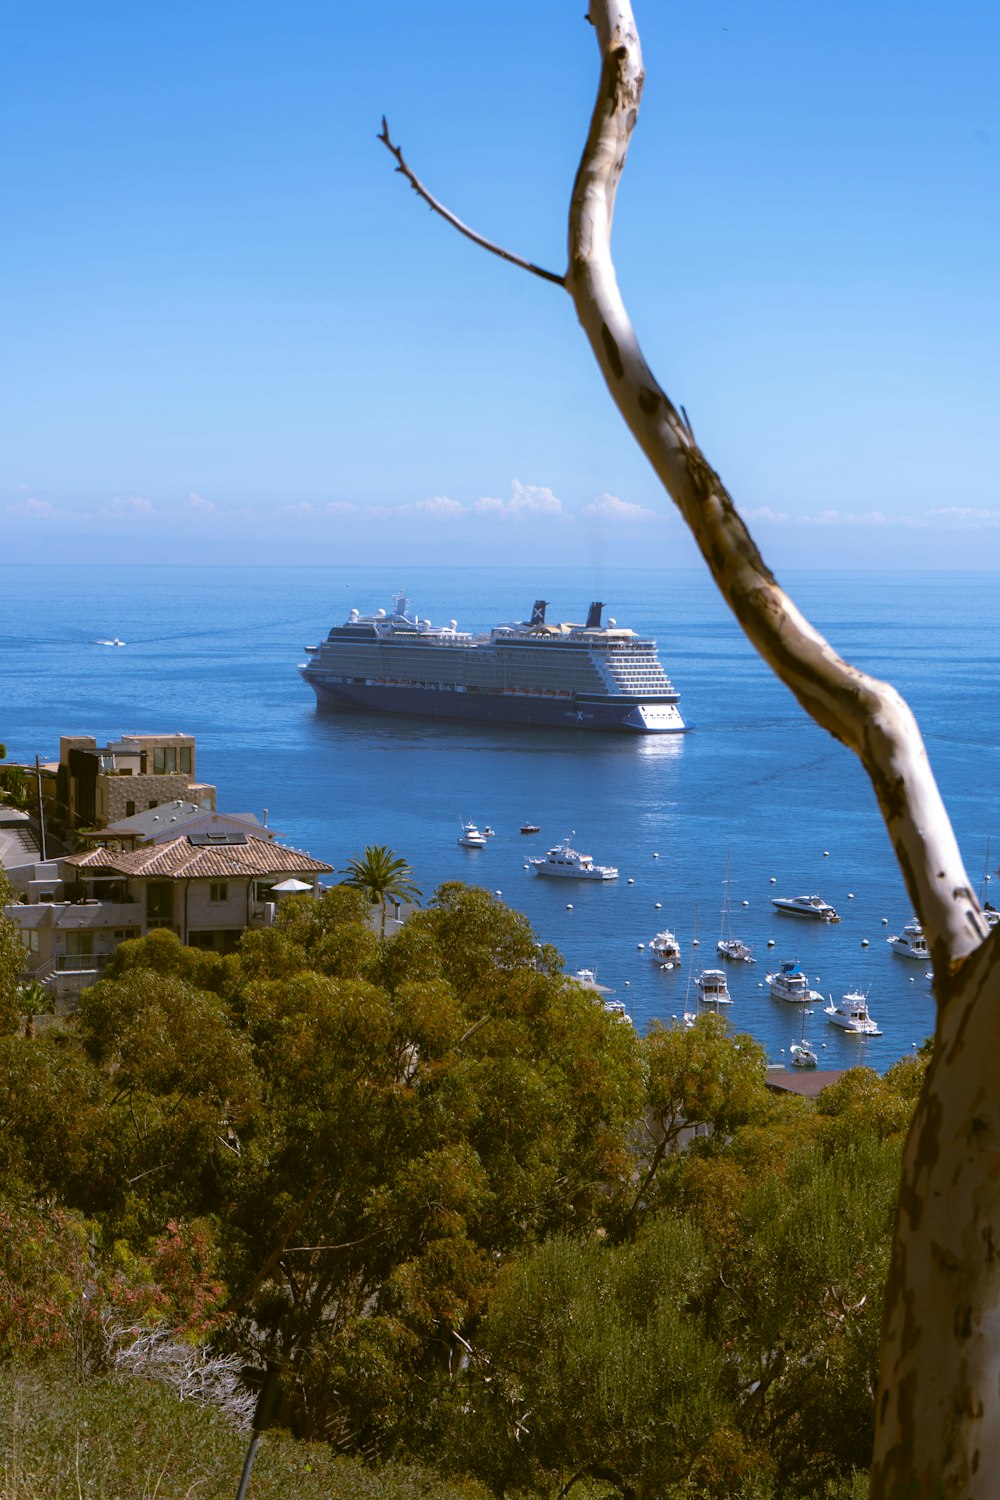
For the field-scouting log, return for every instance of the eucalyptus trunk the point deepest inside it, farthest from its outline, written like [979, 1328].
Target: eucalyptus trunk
[938, 1403]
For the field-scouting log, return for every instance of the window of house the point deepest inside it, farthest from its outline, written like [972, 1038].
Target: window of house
[80, 943]
[218, 890]
[29, 938]
[184, 757]
[159, 903]
[129, 809]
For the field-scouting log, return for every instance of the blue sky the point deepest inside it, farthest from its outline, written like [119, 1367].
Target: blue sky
[228, 325]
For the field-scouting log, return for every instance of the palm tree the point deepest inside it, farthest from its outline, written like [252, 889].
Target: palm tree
[384, 876]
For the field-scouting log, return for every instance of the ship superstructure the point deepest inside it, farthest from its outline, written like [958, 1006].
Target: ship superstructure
[590, 676]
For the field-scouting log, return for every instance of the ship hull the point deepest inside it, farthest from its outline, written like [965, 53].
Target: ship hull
[628, 716]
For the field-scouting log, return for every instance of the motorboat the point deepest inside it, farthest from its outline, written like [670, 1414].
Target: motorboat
[616, 1008]
[471, 837]
[488, 832]
[665, 950]
[587, 980]
[712, 987]
[851, 1014]
[116, 642]
[805, 906]
[530, 828]
[728, 946]
[736, 950]
[910, 943]
[789, 983]
[570, 864]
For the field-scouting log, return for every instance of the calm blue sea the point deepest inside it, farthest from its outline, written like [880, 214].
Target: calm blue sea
[213, 652]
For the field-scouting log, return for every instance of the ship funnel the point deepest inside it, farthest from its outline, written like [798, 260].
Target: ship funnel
[594, 615]
[538, 612]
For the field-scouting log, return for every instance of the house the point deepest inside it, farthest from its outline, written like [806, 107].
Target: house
[95, 785]
[159, 824]
[208, 888]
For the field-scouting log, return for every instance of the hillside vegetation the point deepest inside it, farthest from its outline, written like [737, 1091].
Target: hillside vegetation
[440, 1184]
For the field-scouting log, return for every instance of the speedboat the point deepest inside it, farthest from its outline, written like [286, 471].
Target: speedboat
[789, 983]
[530, 828]
[712, 987]
[910, 943]
[665, 950]
[805, 906]
[851, 1014]
[570, 864]
[471, 837]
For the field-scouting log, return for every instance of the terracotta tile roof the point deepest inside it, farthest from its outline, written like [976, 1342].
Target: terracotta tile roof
[181, 860]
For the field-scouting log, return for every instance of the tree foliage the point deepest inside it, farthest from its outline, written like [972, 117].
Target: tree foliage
[383, 876]
[464, 1203]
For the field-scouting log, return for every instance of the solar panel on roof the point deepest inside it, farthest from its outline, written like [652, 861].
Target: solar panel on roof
[207, 840]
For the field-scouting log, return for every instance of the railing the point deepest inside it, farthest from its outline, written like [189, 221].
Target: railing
[81, 963]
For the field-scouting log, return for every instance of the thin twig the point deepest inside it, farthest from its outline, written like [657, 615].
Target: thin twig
[456, 223]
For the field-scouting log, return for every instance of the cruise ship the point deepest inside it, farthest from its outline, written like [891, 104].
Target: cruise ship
[590, 676]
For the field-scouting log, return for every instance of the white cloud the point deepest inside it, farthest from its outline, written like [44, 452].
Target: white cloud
[964, 517]
[765, 513]
[303, 508]
[525, 500]
[339, 506]
[39, 510]
[198, 502]
[133, 505]
[439, 505]
[610, 508]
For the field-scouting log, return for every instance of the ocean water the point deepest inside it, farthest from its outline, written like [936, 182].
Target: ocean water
[213, 652]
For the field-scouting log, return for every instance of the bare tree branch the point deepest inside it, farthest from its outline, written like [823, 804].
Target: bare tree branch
[867, 715]
[456, 223]
[937, 1428]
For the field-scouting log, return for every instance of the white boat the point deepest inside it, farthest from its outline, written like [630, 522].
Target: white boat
[851, 1014]
[617, 1009]
[471, 837]
[910, 943]
[568, 863]
[801, 1055]
[665, 950]
[789, 983]
[115, 642]
[587, 980]
[728, 946]
[989, 910]
[712, 987]
[805, 906]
